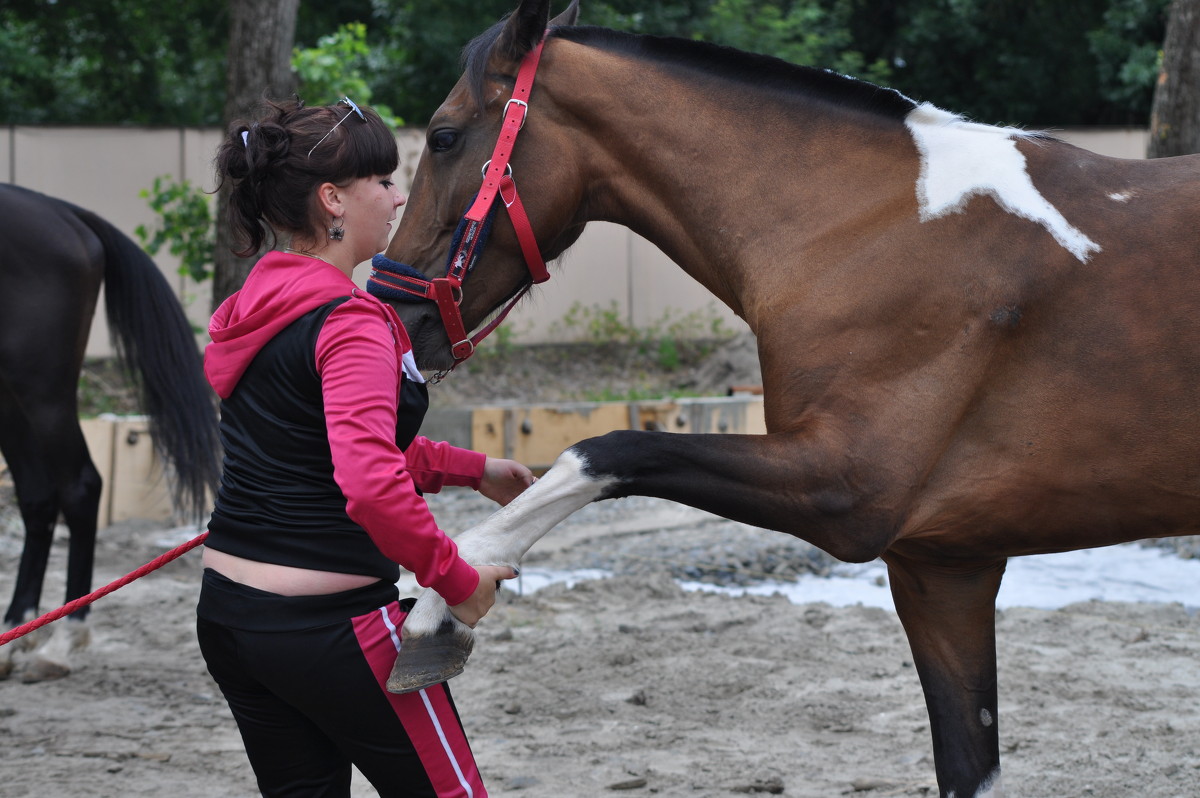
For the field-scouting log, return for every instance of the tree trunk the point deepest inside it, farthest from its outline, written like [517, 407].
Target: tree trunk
[1175, 114]
[261, 37]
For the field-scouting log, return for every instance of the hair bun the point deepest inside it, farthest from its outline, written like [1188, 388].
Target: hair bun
[266, 145]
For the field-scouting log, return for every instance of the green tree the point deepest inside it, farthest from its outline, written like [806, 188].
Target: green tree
[678, 18]
[1037, 62]
[112, 62]
[418, 50]
[1033, 62]
[185, 225]
[806, 32]
[338, 66]
[1127, 50]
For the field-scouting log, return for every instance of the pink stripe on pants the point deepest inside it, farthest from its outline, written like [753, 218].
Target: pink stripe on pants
[427, 715]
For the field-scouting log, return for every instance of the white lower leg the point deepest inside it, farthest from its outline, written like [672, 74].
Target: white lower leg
[505, 536]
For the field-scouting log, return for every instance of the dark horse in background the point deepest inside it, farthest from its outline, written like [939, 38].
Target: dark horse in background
[976, 342]
[54, 257]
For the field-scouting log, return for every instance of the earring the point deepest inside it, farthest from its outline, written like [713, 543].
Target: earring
[336, 233]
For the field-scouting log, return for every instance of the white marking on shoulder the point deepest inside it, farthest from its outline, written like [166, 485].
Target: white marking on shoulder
[1121, 196]
[960, 159]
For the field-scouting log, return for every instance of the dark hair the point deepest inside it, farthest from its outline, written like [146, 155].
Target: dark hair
[274, 177]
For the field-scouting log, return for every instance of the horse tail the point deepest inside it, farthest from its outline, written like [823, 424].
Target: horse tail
[156, 346]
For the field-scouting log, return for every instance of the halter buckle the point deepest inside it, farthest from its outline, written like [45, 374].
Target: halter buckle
[524, 110]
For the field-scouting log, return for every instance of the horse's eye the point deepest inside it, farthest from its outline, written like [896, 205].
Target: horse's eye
[442, 140]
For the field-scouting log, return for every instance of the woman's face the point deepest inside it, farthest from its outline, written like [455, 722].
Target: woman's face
[370, 208]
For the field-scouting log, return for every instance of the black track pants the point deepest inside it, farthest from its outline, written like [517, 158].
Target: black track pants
[304, 678]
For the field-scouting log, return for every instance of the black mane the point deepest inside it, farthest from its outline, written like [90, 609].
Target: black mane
[755, 70]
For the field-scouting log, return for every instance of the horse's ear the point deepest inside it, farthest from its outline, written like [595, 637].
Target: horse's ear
[523, 30]
[568, 17]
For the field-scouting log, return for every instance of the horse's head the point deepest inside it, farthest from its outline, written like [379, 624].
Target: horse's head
[460, 142]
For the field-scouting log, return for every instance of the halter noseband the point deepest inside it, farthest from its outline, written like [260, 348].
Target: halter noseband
[399, 281]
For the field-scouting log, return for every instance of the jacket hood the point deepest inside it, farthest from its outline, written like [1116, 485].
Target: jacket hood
[280, 289]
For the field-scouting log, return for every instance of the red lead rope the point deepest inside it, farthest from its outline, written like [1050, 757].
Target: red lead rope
[71, 606]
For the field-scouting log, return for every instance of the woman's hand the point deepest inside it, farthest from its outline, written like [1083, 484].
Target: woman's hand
[503, 480]
[477, 606]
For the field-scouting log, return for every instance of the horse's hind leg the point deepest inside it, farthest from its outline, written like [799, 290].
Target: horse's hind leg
[39, 511]
[949, 614]
[36, 501]
[51, 470]
[78, 487]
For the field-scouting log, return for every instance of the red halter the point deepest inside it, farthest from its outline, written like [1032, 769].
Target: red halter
[497, 181]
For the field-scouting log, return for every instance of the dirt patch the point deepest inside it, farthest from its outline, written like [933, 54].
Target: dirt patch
[629, 685]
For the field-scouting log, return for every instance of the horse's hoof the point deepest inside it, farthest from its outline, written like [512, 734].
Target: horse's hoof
[52, 659]
[6, 662]
[40, 669]
[428, 660]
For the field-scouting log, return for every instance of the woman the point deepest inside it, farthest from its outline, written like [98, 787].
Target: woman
[320, 494]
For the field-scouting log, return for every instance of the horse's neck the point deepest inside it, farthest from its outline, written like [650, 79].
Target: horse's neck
[722, 193]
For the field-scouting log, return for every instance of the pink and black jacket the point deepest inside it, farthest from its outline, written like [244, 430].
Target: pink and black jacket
[321, 401]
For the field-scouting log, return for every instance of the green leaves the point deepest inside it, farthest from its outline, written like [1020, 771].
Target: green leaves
[807, 32]
[1034, 62]
[338, 66]
[185, 226]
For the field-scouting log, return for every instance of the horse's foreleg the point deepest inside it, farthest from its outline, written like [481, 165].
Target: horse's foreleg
[949, 615]
[435, 645]
[785, 482]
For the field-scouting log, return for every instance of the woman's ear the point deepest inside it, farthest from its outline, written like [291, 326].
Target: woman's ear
[330, 198]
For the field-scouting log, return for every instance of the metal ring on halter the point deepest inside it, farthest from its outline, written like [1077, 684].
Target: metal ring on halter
[507, 168]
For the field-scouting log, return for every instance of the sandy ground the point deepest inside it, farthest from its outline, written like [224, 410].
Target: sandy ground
[628, 685]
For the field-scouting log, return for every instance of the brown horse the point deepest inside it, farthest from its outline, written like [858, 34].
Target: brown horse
[976, 342]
